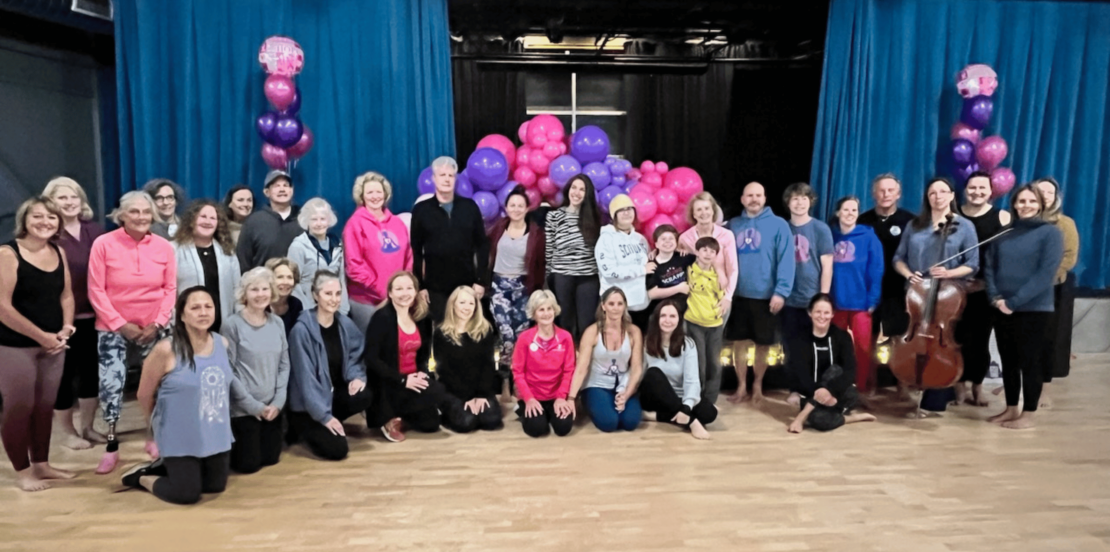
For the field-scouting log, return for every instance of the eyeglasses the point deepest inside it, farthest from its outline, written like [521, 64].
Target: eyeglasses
[165, 199]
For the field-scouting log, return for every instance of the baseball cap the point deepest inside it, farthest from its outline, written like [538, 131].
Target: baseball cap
[274, 175]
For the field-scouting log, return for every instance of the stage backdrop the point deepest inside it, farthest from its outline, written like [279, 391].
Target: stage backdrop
[376, 92]
[888, 99]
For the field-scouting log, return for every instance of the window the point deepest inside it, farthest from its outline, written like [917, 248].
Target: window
[578, 100]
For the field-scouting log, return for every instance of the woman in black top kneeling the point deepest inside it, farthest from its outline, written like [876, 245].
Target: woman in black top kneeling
[464, 347]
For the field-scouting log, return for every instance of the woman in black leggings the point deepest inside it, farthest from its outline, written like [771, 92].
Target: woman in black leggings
[671, 388]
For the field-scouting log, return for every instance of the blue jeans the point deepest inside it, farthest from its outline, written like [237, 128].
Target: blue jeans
[599, 403]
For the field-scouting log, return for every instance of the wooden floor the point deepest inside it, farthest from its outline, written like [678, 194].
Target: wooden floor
[947, 484]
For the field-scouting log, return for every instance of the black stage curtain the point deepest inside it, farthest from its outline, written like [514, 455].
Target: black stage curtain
[486, 102]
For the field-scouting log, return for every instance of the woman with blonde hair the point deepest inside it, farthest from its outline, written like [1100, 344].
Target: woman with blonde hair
[398, 346]
[703, 212]
[543, 370]
[206, 256]
[1056, 354]
[377, 244]
[610, 363]
[317, 249]
[285, 305]
[464, 347]
[80, 378]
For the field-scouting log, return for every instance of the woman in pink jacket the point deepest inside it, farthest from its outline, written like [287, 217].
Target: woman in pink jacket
[132, 288]
[377, 244]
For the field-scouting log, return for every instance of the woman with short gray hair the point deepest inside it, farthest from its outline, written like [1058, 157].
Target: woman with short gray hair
[317, 249]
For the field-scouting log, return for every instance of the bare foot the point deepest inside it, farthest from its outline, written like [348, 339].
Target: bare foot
[699, 431]
[72, 441]
[739, 396]
[26, 481]
[859, 417]
[44, 470]
[962, 395]
[794, 399]
[1025, 421]
[757, 397]
[918, 414]
[648, 416]
[1045, 402]
[977, 396]
[681, 418]
[93, 436]
[997, 390]
[1005, 416]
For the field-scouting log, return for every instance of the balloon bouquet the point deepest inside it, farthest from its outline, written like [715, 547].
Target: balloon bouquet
[546, 161]
[970, 152]
[286, 137]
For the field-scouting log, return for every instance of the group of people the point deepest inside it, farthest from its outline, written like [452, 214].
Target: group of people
[258, 327]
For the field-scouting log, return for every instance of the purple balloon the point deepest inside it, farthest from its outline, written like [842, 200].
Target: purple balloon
[487, 204]
[976, 112]
[618, 180]
[503, 193]
[963, 173]
[287, 131]
[606, 195]
[295, 105]
[424, 182]
[464, 188]
[963, 152]
[589, 144]
[488, 169]
[563, 168]
[628, 188]
[265, 124]
[620, 168]
[598, 173]
[556, 199]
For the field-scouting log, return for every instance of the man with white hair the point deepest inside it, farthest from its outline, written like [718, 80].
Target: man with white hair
[269, 231]
[449, 243]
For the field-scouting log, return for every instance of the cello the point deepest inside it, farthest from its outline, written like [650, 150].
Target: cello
[927, 356]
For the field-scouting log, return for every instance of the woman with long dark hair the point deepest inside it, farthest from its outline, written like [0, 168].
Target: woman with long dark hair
[671, 389]
[571, 235]
[238, 204]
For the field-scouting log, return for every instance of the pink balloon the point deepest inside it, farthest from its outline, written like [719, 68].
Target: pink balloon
[633, 174]
[555, 134]
[275, 157]
[298, 150]
[644, 200]
[551, 150]
[652, 180]
[656, 221]
[537, 140]
[647, 166]
[538, 163]
[279, 90]
[525, 176]
[534, 198]
[1002, 181]
[562, 148]
[960, 130]
[685, 182]
[667, 200]
[546, 186]
[990, 152]
[662, 168]
[523, 154]
[502, 144]
[545, 124]
[522, 132]
[680, 222]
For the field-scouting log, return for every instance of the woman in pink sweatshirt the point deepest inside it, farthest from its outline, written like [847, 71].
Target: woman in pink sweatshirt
[132, 288]
[377, 244]
[543, 367]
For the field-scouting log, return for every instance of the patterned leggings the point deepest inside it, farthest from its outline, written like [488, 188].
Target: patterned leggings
[508, 302]
[113, 349]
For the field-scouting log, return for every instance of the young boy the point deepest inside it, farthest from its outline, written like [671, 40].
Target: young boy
[705, 322]
[669, 278]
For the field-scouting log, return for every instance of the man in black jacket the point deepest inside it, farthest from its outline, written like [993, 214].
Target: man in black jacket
[888, 220]
[449, 243]
[268, 231]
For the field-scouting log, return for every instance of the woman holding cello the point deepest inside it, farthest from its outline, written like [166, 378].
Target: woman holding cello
[939, 244]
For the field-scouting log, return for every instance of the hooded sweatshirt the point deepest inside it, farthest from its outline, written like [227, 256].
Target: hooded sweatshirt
[375, 249]
[621, 259]
[310, 384]
[765, 247]
[311, 256]
[266, 235]
[1021, 266]
[858, 268]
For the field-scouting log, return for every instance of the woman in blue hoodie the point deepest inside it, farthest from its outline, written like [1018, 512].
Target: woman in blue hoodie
[1020, 272]
[857, 283]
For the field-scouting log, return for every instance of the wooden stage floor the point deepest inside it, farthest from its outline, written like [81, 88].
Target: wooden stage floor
[953, 483]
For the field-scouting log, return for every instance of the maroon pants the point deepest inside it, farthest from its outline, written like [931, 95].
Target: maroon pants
[859, 323]
[29, 384]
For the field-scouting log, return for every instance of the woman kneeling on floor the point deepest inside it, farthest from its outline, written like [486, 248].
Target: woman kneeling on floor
[671, 390]
[464, 347]
[610, 362]
[543, 367]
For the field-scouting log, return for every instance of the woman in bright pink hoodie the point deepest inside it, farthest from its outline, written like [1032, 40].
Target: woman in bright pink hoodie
[377, 244]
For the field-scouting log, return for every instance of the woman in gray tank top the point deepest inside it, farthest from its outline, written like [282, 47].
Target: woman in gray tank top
[610, 362]
[187, 389]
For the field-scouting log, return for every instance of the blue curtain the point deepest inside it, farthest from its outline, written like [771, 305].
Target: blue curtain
[376, 92]
[888, 99]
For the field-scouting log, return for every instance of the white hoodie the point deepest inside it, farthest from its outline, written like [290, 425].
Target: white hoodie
[620, 262]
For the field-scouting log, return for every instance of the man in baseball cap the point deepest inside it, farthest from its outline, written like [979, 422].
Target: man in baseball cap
[268, 231]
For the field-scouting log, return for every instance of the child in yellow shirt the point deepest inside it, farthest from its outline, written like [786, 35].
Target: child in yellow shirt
[705, 321]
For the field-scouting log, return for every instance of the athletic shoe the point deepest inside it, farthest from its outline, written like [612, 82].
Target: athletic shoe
[393, 430]
[131, 477]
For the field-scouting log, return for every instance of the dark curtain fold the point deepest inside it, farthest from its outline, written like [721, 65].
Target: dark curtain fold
[486, 102]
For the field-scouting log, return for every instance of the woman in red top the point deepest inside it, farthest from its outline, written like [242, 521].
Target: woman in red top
[543, 367]
[398, 346]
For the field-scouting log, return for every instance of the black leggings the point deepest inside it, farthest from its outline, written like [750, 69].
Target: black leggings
[973, 333]
[548, 420]
[460, 420]
[1056, 353]
[317, 437]
[419, 411]
[828, 418]
[188, 476]
[657, 395]
[1020, 342]
[578, 297]
[257, 443]
[81, 374]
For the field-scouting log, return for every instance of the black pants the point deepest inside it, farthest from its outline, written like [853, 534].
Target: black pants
[188, 476]
[317, 437]
[419, 411]
[1056, 354]
[81, 372]
[460, 420]
[828, 418]
[890, 316]
[1020, 343]
[548, 420]
[578, 297]
[973, 333]
[257, 443]
[657, 395]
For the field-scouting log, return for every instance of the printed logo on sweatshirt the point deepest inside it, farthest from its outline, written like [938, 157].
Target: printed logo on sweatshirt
[389, 241]
[627, 249]
[213, 395]
[844, 252]
[748, 241]
[801, 248]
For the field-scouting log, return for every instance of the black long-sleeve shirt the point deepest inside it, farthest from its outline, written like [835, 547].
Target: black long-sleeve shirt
[449, 250]
[467, 370]
[809, 356]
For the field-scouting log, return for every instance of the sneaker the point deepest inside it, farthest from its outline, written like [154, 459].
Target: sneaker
[131, 477]
[393, 431]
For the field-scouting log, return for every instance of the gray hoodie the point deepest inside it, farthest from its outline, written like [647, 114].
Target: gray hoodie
[310, 259]
[310, 385]
[621, 259]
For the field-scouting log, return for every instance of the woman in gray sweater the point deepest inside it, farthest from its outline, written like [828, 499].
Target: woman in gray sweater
[206, 256]
[259, 357]
[671, 388]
